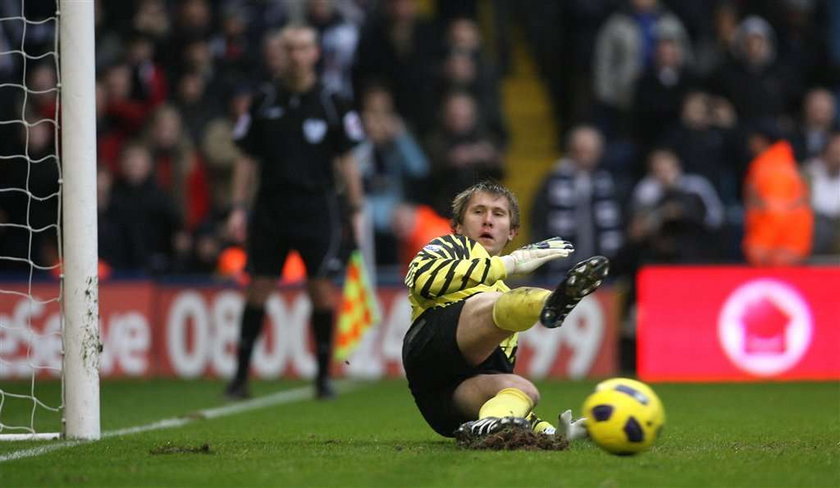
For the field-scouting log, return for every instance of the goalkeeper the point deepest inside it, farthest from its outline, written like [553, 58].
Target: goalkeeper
[460, 350]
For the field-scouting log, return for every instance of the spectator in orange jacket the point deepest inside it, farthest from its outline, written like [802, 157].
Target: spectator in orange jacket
[415, 226]
[779, 221]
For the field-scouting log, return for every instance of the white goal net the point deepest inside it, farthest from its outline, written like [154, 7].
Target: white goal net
[48, 286]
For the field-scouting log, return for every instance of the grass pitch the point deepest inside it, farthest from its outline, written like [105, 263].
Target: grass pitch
[732, 435]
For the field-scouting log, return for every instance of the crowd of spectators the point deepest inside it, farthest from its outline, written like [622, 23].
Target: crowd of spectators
[668, 112]
[698, 104]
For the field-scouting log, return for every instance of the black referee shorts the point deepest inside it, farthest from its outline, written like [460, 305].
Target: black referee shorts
[307, 223]
[435, 366]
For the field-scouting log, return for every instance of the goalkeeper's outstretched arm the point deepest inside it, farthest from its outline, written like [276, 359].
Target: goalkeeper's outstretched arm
[455, 262]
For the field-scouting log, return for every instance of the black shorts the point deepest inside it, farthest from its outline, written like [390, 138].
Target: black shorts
[435, 366]
[307, 223]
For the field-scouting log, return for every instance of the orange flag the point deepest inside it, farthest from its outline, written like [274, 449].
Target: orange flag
[359, 309]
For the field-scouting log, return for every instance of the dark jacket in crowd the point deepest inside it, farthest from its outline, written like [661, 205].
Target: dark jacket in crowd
[140, 224]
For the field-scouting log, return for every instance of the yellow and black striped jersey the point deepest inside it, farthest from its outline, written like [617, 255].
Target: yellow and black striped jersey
[452, 268]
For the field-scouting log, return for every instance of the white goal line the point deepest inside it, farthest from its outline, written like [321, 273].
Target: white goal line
[278, 398]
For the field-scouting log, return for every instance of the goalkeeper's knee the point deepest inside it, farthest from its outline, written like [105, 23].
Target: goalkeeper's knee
[519, 309]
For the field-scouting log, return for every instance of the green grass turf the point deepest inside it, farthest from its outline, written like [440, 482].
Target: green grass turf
[731, 435]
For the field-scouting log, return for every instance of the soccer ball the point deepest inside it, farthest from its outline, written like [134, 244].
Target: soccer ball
[641, 391]
[623, 420]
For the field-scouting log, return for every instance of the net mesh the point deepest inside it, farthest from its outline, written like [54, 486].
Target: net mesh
[30, 206]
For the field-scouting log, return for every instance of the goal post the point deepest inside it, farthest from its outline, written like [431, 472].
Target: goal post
[80, 287]
[49, 330]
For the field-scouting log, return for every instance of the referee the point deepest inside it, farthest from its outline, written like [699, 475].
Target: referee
[301, 137]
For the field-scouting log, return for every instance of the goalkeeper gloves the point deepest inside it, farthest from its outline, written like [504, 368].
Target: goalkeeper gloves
[528, 258]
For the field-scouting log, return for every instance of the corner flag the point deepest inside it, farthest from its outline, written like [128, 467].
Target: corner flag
[359, 309]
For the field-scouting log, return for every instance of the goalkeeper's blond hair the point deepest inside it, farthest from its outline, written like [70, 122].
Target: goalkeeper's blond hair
[459, 203]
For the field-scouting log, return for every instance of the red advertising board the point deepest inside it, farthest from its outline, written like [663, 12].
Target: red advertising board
[30, 330]
[738, 324]
[197, 329]
[150, 329]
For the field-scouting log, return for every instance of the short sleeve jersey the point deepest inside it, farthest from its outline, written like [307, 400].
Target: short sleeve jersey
[296, 136]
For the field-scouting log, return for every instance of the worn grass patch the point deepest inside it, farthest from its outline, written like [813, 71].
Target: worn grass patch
[170, 448]
[513, 439]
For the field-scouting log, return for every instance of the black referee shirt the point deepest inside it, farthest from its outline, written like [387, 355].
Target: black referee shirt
[296, 136]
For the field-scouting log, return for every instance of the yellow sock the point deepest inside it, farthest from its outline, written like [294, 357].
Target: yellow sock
[510, 402]
[519, 309]
[539, 425]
